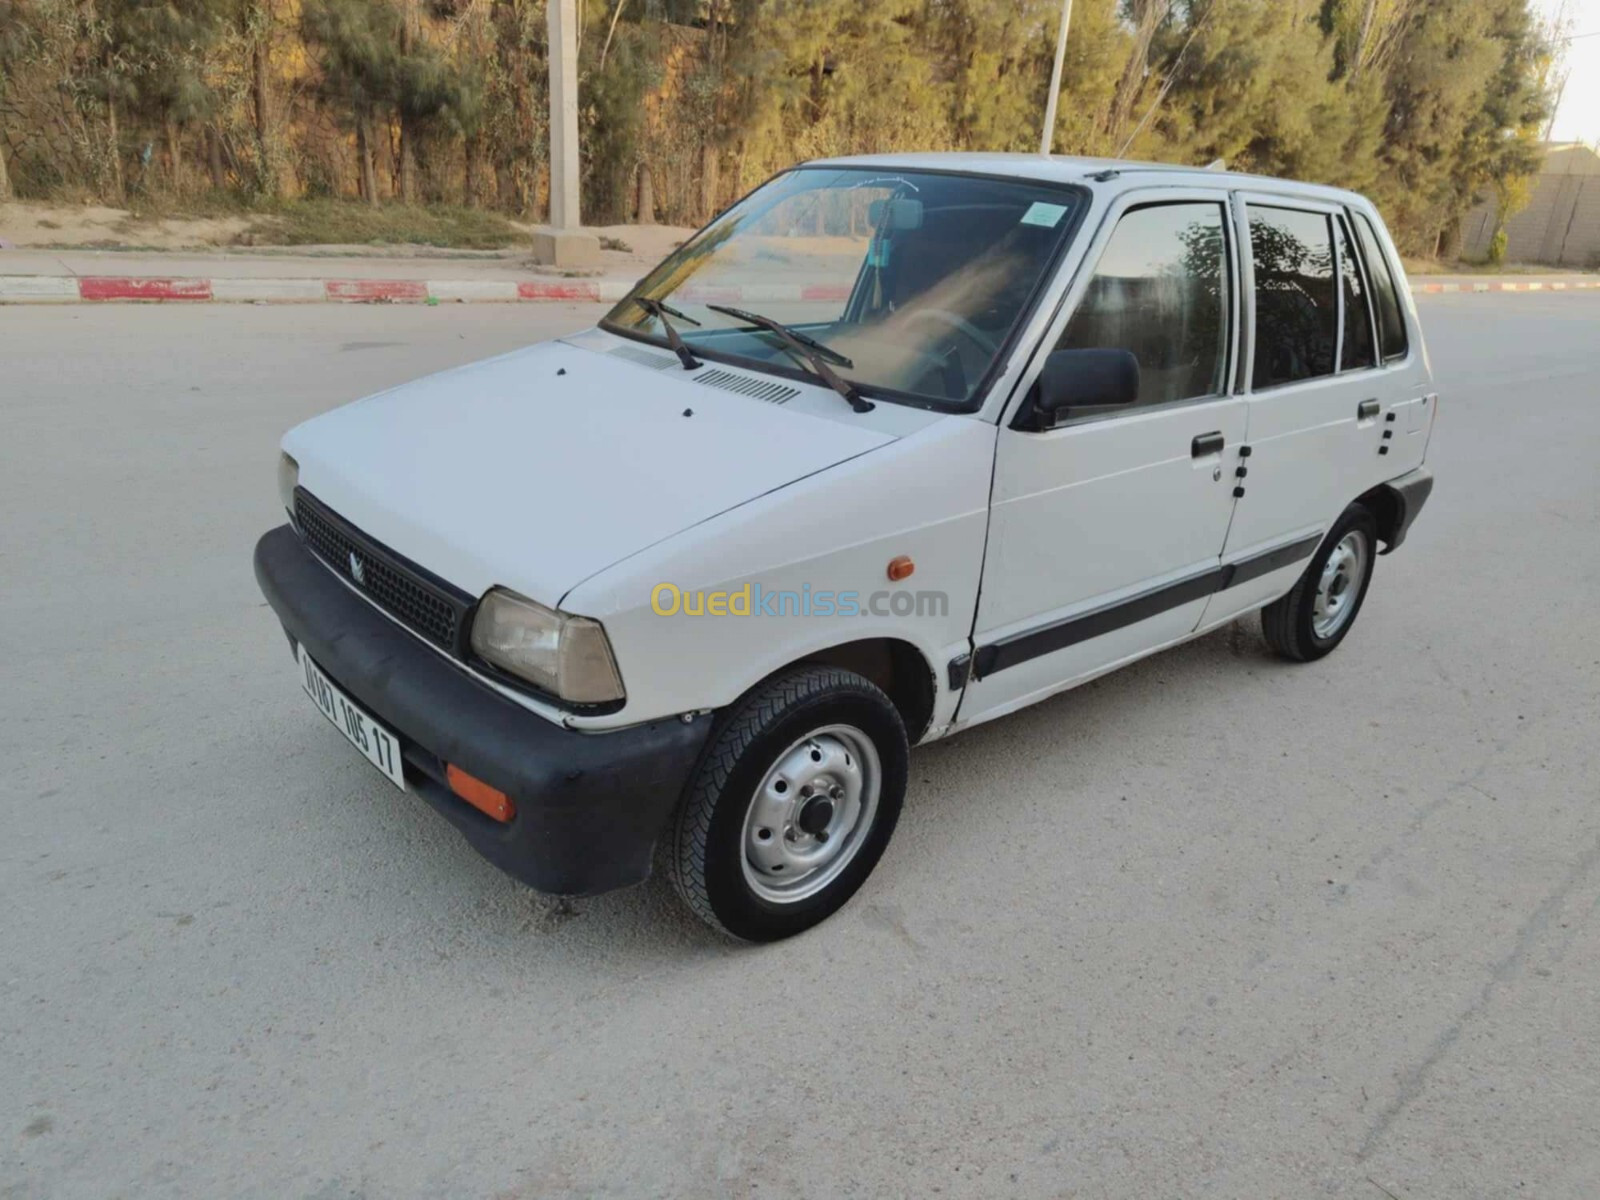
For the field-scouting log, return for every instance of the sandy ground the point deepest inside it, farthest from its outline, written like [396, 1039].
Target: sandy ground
[94, 226]
[1211, 926]
[30, 227]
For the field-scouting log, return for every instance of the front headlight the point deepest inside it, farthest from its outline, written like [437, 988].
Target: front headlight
[566, 656]
[288, 478]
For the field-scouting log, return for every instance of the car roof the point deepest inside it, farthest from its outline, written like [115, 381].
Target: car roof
[1091, 172]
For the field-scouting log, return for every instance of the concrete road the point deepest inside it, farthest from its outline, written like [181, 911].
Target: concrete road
[1211, 926]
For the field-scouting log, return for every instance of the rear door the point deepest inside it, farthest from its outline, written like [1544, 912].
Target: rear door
[1316, 396]
[1105, 530]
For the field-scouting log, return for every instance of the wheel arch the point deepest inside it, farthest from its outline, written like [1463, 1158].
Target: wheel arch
[896, 666]
[1395, 504]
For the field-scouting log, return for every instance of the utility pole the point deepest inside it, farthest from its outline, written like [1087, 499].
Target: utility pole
[562, 16]
[563, 243]
[1049, 134]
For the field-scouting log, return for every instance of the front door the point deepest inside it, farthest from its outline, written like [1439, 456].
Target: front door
[1106, 530]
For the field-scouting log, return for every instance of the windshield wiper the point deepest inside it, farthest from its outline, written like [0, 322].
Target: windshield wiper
[767, 323]
[663, 312]
[814, 353]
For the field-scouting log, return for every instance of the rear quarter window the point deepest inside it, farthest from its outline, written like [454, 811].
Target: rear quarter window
[1386, 296]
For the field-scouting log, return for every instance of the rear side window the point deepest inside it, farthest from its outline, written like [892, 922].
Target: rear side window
[1356, 350]
[1297, 312]
[1391, 325]
[1160, 291]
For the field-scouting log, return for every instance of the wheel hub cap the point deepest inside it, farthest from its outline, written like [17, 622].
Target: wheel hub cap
[811, 813]
[816, 816]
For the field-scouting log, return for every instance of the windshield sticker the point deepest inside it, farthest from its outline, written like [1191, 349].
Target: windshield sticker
[1040, 213]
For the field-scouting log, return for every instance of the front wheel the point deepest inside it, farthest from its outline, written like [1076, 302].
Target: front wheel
[792, 805]
[1318, 611]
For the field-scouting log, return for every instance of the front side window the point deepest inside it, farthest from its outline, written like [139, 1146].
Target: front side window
[1160, 291]
[1391, 325]
[912, 282]
[1297, 314]
[1356, 349]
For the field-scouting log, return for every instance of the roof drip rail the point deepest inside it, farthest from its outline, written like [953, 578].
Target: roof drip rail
[1105, 176]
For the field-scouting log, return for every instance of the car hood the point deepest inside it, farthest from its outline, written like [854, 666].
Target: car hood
[541, 467]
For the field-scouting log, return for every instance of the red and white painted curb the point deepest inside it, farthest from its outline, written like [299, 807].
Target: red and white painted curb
[68, 289]
[36, 289]
[1507, 285]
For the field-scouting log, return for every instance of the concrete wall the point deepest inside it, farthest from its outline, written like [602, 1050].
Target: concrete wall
[1560, 226]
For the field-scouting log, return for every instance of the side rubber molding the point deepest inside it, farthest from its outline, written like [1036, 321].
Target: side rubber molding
[1404, 498]
[590, 806]
[1046, 639]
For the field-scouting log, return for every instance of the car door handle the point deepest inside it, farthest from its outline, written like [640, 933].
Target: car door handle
[1366, 410]
[1206, 443]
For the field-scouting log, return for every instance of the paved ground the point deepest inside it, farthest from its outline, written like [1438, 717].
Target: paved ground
[1212, 926]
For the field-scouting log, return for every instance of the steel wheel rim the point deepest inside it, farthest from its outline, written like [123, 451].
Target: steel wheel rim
[810, 814]
[1340, 585]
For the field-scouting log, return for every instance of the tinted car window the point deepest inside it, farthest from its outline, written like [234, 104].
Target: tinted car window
[1160, 290]
[1356, 351]
[1297, 318]
[1391, 325]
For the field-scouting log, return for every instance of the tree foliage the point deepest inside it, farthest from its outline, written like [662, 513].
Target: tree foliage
[1427, 104]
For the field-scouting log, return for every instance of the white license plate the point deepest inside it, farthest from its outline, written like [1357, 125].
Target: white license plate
[379, 744]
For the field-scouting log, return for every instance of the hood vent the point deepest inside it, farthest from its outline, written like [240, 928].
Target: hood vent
[756, 387]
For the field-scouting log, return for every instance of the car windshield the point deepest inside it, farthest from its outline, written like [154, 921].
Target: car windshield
[909, 284]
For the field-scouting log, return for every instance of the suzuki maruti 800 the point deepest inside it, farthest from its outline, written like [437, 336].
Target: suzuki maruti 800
[894, 446]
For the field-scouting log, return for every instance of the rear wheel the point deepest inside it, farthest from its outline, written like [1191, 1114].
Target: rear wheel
[1318, 611]
[792, 805]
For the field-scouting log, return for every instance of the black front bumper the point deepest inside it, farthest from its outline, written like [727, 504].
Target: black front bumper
[590, 806]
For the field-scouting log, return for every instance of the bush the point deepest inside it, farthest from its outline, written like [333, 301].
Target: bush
[1497, 248]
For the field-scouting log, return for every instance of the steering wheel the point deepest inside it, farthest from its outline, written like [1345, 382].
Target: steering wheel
[960, 324]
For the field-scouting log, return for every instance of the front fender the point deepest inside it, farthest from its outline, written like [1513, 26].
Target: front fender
[925, 497]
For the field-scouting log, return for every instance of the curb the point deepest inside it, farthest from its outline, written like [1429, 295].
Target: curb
[47, 289]
[1523, 285]
[70, 289]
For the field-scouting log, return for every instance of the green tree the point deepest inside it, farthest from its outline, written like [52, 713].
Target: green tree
[1464, 100]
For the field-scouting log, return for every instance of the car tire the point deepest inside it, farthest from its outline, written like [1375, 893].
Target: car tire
[1319, 610]
[791, 805]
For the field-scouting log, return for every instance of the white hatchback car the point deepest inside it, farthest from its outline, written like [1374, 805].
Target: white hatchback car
[894, 446]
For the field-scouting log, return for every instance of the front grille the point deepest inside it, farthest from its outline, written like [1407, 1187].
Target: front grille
[418, 599]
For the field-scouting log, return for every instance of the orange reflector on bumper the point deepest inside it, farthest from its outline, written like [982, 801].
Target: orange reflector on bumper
[479, 794]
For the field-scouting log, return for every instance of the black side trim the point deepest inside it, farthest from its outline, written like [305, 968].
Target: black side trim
[1020, 647]
[1267, 562]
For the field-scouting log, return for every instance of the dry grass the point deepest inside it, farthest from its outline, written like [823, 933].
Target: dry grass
[343, 223]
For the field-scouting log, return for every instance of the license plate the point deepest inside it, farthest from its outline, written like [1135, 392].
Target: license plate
[380, 745]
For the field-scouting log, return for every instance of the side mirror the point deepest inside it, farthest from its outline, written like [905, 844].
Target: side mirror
[1085, 379]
